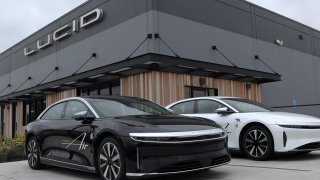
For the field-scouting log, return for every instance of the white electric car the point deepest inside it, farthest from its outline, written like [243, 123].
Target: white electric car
[254, 129]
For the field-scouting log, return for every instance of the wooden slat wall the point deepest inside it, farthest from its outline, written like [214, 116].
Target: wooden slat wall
[19, 118]
[52, 98]
[8, 120]
[165, 87]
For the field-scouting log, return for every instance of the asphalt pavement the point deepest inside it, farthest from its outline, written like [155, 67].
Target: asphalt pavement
[285, 167]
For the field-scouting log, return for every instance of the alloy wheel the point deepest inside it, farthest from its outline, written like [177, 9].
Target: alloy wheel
[256, 143]
[32, 153]
[110, 162]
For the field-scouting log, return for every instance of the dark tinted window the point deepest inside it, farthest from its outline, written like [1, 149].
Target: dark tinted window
[74, 107]
[117, 107]
[208, 106]
[184, 108]
[245, 105]
[54, 112]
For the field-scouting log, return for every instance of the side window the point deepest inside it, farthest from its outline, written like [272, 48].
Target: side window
[74, 107]
[208, 106]
[184, 108]
[54, 112]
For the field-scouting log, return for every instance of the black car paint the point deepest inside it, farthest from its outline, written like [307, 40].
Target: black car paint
[76, 142]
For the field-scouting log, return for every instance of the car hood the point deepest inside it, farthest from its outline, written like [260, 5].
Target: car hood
[165, 123]
[288, 118]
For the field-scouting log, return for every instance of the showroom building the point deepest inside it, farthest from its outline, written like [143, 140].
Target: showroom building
[164, 51]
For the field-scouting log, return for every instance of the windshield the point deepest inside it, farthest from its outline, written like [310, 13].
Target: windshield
[117, 107]
[244, 105]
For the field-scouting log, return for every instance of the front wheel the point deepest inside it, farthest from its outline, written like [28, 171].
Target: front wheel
[111, 160]
[257, 143]
[33, 154]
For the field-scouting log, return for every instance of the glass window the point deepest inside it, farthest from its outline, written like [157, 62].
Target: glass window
[184, 108]
[54, 112]
[74, 107]
[117, 107]
[191, 92]
[208, 106]
[32, 109]
[245, 105]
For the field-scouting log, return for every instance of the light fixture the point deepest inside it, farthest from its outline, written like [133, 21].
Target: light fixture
[242, 75]
[187, 67]
[96, 76]
[120, 70]
[70, 83]
[55, 87]
[279, 42]
[209, 70]
[38, 91]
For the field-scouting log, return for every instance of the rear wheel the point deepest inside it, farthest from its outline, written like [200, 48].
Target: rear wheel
[33, 154]
[111, 160]
[257, 143]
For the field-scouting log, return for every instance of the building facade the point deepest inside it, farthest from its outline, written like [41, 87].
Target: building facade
[164, 51]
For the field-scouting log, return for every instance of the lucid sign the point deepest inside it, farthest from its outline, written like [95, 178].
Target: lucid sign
[65, 31]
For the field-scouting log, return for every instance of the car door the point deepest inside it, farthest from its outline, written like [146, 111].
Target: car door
[75, 137]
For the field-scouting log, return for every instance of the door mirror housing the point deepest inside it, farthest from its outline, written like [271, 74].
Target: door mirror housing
[224, 111]
[84, 116]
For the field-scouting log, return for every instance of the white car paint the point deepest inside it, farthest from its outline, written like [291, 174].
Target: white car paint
[236, 121]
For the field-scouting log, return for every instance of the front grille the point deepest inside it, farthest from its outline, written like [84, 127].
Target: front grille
[181, 167]
[220, 160]
[164, 150]
[310, 146]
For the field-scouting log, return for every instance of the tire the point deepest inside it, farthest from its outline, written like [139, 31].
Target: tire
[33, 154]
[257, 143]
[110, 160]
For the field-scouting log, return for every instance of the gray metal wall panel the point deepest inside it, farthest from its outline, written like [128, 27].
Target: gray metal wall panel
[4, 81]
[269, 31]
[309, 110]
[111, 46]
[214, 13]
[316, 44]
[281, 20]
[116, 12]
[298, 76]
[5, 66]
[195, 41]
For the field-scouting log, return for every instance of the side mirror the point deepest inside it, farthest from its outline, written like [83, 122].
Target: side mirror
[84, 116]
[223, 111]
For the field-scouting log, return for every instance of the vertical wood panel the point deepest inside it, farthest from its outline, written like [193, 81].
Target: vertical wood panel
[52, 98]
[19, 118]
[7, 121]
[165, 87]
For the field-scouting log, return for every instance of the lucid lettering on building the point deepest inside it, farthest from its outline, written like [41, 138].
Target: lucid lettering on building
[66, 31]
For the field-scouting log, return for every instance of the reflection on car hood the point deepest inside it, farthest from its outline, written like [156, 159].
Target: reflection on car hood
[166, 123]
[285, 117]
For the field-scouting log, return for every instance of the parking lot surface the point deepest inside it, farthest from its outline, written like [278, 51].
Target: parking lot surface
[285, 167]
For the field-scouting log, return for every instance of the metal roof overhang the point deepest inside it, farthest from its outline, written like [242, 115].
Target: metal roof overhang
[146, 63]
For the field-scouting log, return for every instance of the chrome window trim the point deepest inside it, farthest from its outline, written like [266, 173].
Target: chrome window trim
[159, 174]
[70, 99]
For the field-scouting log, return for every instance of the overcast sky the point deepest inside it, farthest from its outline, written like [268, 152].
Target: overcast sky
[20, 18]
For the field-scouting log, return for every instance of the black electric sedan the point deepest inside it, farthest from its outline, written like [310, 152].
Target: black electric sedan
[121, 136]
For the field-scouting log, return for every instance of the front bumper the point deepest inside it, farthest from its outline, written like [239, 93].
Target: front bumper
[295, 139]
[154, 159]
